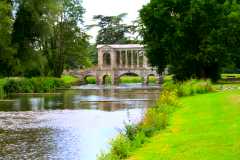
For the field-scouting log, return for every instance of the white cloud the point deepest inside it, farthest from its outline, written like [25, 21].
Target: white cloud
[109, 8]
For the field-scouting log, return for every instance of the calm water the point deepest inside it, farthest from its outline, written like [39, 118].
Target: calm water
[70, 125]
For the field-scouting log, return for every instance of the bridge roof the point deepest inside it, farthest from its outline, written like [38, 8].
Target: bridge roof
[121, 46]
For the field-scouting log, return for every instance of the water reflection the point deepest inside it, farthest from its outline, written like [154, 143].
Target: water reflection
[74, 124]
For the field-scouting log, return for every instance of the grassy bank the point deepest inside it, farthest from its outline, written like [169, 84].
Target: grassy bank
[207, 127]
[33, 85]
[155, 119]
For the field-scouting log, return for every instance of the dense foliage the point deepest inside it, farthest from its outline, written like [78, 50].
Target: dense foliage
[197, 38]
[112, 30]
[33, 85]
[42, 37]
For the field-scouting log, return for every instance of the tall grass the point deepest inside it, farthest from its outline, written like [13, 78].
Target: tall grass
[155, 119]
[189, 88]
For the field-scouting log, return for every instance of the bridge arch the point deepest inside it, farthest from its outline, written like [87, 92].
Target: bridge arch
[151, 78]
[107, 79]
[131, 74]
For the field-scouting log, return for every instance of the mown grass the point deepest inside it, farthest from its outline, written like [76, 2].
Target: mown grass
[130, 79]
[91, 80]
[70, 79]
[225, 76]
[136, 79]
[123, 80]
[207, 127]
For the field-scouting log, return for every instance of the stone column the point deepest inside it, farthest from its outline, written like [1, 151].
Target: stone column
[137, 60]
[120, 57]
[126, 59]
[132, 60]
[100, 59]
[145, 61]
[113, 59]
[145, 80]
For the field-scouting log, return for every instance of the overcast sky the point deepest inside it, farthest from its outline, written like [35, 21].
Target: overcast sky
[109, 8]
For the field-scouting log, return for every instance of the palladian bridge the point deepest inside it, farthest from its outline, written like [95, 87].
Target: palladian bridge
[117, 61]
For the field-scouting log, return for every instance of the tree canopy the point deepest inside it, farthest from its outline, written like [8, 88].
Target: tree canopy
[197, 38]
[42, 37]
[112, 29]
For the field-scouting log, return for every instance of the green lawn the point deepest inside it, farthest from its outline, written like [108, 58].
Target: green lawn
[207, 127]
[224, 76]
[69, 79]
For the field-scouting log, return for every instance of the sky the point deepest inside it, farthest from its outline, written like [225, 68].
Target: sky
[110, 8]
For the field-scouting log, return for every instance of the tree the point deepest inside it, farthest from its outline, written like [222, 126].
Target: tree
[7, 61]
[112, 30]
[48, 37]
[186, 35]
[69, 43]
[31, 30]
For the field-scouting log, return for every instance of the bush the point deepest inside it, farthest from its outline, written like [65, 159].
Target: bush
[120, 149]
[189, 88]
[33, 85]
[152, 80]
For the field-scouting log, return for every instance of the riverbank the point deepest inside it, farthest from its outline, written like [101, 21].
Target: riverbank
[207, 127]
[34, 85]
[155, 119]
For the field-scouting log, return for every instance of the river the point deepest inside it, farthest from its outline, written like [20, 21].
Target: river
[75, 124]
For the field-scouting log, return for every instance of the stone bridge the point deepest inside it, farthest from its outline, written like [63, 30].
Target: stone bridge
[117, 61]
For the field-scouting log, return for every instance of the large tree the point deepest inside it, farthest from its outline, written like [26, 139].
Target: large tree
[31, 30]
[112, 30]
[191, 36]
[70, 43]
[7, 61]
[48, 37]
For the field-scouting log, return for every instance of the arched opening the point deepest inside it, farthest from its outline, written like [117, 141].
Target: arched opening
[152, 79]
[106, 59]
[129, 78]
[90, 79]
[107, 80]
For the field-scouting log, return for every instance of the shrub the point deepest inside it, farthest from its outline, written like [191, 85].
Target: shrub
[189, 88]
[152, 80]
[120, 149]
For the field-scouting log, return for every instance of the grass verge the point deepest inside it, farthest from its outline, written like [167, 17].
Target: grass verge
[207, 127]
